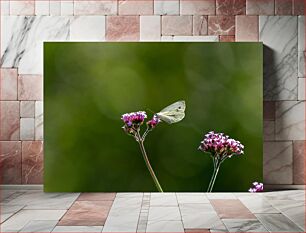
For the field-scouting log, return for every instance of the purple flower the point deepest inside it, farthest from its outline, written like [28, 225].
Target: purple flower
[257, 187]
[134, 118]
[219, 144]
[153, 122]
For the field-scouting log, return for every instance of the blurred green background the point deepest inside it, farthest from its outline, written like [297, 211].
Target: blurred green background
[88, 86]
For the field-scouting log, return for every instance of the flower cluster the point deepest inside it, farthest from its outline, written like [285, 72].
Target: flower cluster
[257, 187]
[153, 122]
[134, 118]
[221, 145]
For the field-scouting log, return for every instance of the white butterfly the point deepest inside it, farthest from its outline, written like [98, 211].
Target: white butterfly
[173, 113]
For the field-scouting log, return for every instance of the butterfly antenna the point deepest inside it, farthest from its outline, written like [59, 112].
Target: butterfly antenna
[150, 111]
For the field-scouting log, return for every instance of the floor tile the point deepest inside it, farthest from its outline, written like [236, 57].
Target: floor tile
[36, 199]
[160, 213]
[122, 219]
[129, 195]
[298, 195]
[9, 210]
[20, 219]
[232, 209]
[196, 198]
[294, 210]
[199, 216]
[165, 226]
[258, 205]
[77, 229]
[39, 226]
[163, 199]
[278, 223]
[86, 213]
[238, 225]
[96, 197]
[220, 196]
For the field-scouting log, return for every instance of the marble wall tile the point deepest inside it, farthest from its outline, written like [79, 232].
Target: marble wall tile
[10, 162]
[165, 226]
[87, 28]
[238, 225]
[301, 47]
[39, 120]
[176, 25]
[32, 162]
[86, 213]
[279, 35]
[67, 7]
[166, 7]
[277, 223]
[27, 108]
[9, 120]
[298, 7]
[260, 7]
[135, 7]
[192, 7]
[221, 25]
[230, 7]
[5, 7]
[200, 25]
[269, 110]
[301, 88]
[150, 28]
[283, 7]
[22, 40]
[55, 8]
[278, 163]
[231, 209]
[299, 162]
[8, 87]
[39, 226]
[106, 7]
[22, 7]
[247, 28]
[42, 7]
[122, 28]
[30, 87]
[269, 130]
[27, 129]
[223, 38]
[290, 120]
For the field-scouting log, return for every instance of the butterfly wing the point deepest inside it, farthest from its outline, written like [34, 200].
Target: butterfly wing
[173, 113]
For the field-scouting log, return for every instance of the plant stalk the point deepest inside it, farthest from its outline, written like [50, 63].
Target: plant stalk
[145, 157]
[214, 176]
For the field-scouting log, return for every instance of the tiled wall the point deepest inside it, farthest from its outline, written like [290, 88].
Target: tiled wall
[277, 23]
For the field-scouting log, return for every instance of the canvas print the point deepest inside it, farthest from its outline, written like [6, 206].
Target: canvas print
[153, 117]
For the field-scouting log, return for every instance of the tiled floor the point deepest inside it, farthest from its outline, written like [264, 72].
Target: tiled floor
[36, 211]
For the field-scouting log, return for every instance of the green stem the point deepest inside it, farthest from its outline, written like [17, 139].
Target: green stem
[144, 154]
[214, 169]
[214, 176]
